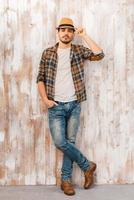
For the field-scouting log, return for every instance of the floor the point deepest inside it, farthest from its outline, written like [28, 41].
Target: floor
[98, 192]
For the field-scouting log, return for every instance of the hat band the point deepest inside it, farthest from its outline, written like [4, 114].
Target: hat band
[66, 25]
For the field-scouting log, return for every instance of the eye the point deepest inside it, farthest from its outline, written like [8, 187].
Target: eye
[70, 30]
[62, 29]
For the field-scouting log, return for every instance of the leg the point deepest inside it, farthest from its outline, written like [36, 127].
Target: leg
[59, 128]
[71, 132]
[57, 124]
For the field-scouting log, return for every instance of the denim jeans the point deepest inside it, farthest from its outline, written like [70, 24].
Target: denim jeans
[63, 124]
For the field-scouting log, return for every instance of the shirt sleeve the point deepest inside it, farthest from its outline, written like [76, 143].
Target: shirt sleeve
[90, 55]
[41, 72]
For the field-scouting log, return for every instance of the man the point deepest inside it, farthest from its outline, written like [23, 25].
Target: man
[61, 87]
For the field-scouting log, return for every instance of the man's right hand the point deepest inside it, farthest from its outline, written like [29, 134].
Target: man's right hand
[45, 101]
[50, 103]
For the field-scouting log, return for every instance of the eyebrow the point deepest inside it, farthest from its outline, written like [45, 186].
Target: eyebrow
[67, 28]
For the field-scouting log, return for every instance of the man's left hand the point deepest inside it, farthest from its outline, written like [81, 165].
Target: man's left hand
[80, 31]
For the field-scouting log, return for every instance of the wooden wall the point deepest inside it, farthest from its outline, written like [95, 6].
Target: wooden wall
[106, 134]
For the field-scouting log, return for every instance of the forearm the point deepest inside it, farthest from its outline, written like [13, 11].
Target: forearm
[43, 94]
[42, 91]
[92, 45]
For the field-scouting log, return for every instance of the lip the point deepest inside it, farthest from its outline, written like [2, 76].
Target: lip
[66, 37]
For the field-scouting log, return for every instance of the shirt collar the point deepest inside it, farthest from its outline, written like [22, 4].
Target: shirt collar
[54, 48]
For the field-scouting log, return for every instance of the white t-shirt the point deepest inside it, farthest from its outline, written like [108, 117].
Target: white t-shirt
[64, 86]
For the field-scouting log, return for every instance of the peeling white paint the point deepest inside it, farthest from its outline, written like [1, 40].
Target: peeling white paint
[10, 163]
[131, 82]
[25, 86]
[2, 136]
[30, 178]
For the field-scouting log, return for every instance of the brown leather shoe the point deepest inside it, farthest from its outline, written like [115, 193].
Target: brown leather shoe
[67, 187]
[89, 175]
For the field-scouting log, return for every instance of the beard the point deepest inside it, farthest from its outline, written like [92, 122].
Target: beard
[65, 41]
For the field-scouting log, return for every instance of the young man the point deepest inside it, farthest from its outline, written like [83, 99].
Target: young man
[61, 87]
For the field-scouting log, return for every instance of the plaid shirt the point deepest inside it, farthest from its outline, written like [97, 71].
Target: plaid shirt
[48, 66]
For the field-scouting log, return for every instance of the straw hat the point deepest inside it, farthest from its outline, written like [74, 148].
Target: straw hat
[66, 23]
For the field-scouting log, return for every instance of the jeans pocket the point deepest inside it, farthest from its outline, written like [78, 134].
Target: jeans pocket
[54, 106]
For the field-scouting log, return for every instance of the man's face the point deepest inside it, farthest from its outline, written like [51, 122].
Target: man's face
[66, 35]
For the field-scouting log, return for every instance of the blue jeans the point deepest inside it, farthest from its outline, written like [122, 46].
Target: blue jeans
[63, 124]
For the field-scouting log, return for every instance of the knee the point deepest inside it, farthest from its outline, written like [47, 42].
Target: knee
[71, 140]
[62, 145]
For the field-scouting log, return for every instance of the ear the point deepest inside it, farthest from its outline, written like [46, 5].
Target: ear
[57, 34]
[56, 31]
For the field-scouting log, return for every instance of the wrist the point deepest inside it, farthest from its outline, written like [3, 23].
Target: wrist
[45, 99]
[85, 37]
